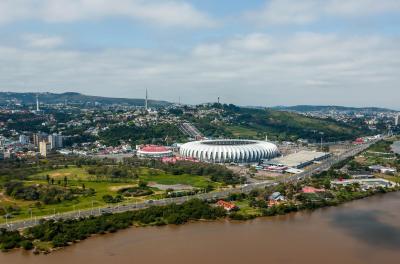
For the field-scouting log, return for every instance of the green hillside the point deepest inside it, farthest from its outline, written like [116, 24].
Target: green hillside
[72, 98]
[277, 125]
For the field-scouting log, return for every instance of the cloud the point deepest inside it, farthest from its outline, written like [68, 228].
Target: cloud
[253, 69]
[165, 13]
[42, 41]
[286, 12]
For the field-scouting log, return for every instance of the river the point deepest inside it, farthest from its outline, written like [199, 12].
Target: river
[363, 231]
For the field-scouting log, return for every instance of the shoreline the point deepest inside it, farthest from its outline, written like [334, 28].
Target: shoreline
[38, 248]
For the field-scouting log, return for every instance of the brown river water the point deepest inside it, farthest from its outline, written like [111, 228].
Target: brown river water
[363, 231]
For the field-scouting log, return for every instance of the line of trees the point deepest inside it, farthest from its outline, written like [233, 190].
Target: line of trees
[62, 233]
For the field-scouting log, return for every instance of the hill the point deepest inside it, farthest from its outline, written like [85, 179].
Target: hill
[325, 108]
[239, 122]
[72, 98]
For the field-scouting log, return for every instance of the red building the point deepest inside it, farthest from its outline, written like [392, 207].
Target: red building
[309, 189]
[226, 205]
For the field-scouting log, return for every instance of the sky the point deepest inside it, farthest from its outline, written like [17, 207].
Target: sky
[253, 52]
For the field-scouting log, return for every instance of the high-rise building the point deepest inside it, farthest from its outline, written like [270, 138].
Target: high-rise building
[38, 137]
[396, 120]
[56, 141]
[44, 148]
[24, 140]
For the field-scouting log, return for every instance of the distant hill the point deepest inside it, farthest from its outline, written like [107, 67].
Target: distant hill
[72, 98]
[241, 122]
[322, 108]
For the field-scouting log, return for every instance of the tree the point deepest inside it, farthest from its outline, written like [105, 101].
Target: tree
[142, 184]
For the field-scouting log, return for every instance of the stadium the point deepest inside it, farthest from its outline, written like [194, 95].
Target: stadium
[229, 150]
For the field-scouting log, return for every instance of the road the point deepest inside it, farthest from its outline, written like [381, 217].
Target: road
[246, 188]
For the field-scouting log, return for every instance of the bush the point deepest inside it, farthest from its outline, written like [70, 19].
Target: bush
[109, 199]
[27, 245]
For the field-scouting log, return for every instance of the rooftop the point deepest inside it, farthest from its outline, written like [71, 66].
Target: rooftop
[153, 148]
[300, 158]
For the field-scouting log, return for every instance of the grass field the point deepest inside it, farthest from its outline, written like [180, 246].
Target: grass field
[195, 181]
[77, 177]
[243, 132]
[245, 208]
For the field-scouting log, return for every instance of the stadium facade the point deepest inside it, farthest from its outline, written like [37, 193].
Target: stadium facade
[229, 150]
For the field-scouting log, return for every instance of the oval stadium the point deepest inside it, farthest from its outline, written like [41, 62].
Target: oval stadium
[229, 150]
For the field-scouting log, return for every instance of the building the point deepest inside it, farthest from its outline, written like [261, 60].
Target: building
[154, 152]
[275, 199]
[277, 196]
[39, 137]
[56, 141]
[396, 120]
[229, 150]
[44, 148]
[24, 140]
[365, 184]
[300, 159]
[226, 205]
[382, 169]
[310, 189]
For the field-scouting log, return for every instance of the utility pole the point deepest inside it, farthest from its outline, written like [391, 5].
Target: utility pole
[321, 143]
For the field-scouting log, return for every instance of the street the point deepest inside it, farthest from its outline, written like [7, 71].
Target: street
[246, 188]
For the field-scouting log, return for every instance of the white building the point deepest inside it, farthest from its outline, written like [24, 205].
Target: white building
[365, 184]
[24, 140]
[229, 150]
[56, 141]
[44, 148]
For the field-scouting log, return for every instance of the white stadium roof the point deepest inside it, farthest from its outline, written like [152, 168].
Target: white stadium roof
[229, 150]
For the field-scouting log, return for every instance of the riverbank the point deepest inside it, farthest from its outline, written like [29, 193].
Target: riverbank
[365, 231]
[50, 235]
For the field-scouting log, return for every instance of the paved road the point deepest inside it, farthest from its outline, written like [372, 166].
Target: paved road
[246, 188]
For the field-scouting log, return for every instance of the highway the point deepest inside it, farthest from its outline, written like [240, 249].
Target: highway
[246, 188]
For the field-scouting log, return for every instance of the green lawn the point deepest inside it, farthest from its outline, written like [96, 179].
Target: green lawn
[245, 208]
[243, 132]
[167, 179]
[72, 173]
[102, 185]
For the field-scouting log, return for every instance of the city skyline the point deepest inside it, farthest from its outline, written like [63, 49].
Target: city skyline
[279, 52]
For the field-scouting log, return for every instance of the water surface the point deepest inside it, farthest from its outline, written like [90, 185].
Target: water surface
[364, 231]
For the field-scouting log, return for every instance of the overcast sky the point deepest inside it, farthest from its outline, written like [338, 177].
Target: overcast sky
[253, 52]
